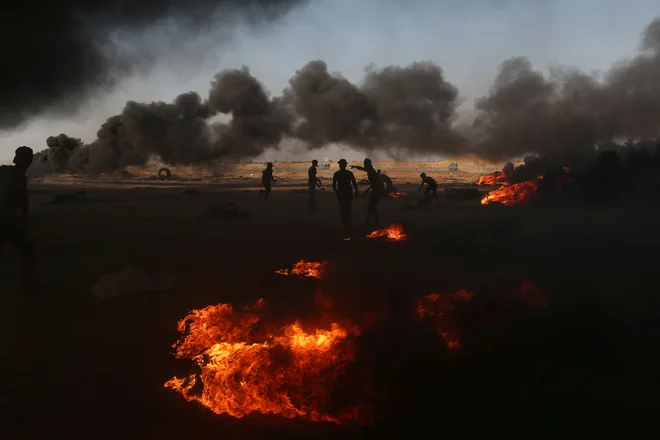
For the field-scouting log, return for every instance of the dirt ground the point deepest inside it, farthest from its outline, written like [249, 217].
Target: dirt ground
[75, 368]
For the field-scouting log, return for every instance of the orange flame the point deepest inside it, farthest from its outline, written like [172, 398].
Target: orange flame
[289, 371]
[496, 178]
[397, 195]
[512, 194]
[394, 232]
[302, 268]
[439, 307]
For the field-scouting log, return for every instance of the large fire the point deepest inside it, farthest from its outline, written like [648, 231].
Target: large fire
[312, 269]
[247, 368]
[394, 232]
[439, 308]
[496, 178]
[398, 195]
[512, 194]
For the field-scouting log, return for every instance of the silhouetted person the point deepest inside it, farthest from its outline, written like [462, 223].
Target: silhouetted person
[343, 184]
[312, 183]
[267, 180]
[389, 185]
[14, 206]
[377, 190]
[431, 186]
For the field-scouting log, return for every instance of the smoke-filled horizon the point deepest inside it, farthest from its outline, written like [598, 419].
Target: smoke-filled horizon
[404, 111]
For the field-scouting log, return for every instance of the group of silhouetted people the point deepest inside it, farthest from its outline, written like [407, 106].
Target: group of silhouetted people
[345, 187]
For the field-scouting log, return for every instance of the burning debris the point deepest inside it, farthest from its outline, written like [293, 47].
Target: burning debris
[245, 367]
[393, 232]
[512, 194]
[302, 269]
[496, 178]
[398, 194]
[439, 308]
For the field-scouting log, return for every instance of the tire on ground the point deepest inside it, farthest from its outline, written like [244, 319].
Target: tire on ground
[164, 174]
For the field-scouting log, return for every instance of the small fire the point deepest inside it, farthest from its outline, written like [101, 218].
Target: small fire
[398, 195]
[312, 269]
[394, 232]
[439, 308]
[496, 178]
[285, 370]
[512, 194]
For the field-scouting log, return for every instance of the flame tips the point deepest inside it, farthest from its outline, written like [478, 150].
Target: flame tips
[394, 232]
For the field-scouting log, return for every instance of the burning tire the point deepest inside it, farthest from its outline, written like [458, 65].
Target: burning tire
[164, 174]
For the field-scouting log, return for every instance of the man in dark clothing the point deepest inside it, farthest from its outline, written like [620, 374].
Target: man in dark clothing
[312, 183]
[343, 183]
[377, 190]
[431, 186]
[14, 205]
[389, 185]
[267, 179]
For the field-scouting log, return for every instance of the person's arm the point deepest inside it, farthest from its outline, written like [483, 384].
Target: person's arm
[334, 183]
[358, 167]
[354, 182]
[422, 186]
[367, 190]
[318, 182]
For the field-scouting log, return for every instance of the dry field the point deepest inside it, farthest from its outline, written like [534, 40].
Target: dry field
[585, 364]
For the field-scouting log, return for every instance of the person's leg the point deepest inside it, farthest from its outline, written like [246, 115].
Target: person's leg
[375, 214]
[21, 240]
[312, 198]
[267, 191]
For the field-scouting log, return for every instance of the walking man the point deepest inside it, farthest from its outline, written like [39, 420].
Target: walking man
[343, 184]
[14, 206]
[267, 180]
[312, 183]
[377, 190]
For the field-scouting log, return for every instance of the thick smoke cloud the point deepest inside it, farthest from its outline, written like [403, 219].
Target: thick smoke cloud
[565, 115]
[559, 117]
[58, 52]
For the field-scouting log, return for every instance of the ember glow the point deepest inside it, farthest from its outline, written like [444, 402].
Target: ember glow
[496, 178]
[398, 195]
[246, 367]
[512, 194]
[439, 309]
[312, 269]
[393, 232]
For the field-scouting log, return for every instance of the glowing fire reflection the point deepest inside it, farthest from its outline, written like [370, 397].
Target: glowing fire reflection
[302, 268]
[393, 232]
[244, 368]
[439, 308]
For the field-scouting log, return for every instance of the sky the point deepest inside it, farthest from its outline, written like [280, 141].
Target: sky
[468, 39]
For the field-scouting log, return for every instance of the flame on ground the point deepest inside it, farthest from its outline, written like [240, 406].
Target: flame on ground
[287, 371]
[398, 195]
[312, 269]
[439, 308]
[393, 232]
[512, 194]
[496, 178]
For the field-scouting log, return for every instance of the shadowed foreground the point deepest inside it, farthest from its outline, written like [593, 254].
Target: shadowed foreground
[585, 364]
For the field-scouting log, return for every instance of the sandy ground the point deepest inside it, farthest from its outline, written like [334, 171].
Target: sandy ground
[74, 368]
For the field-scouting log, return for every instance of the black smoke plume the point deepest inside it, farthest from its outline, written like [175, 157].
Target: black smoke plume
[556, 120]
[56, 53]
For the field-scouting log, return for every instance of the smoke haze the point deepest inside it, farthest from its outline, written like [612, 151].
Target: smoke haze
[399, 111]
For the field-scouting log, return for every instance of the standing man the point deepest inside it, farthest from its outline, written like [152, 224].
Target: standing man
[377, 190]
[431, 186]
[342, 181]
[14, 205]
[267, 180]
[312, 183]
